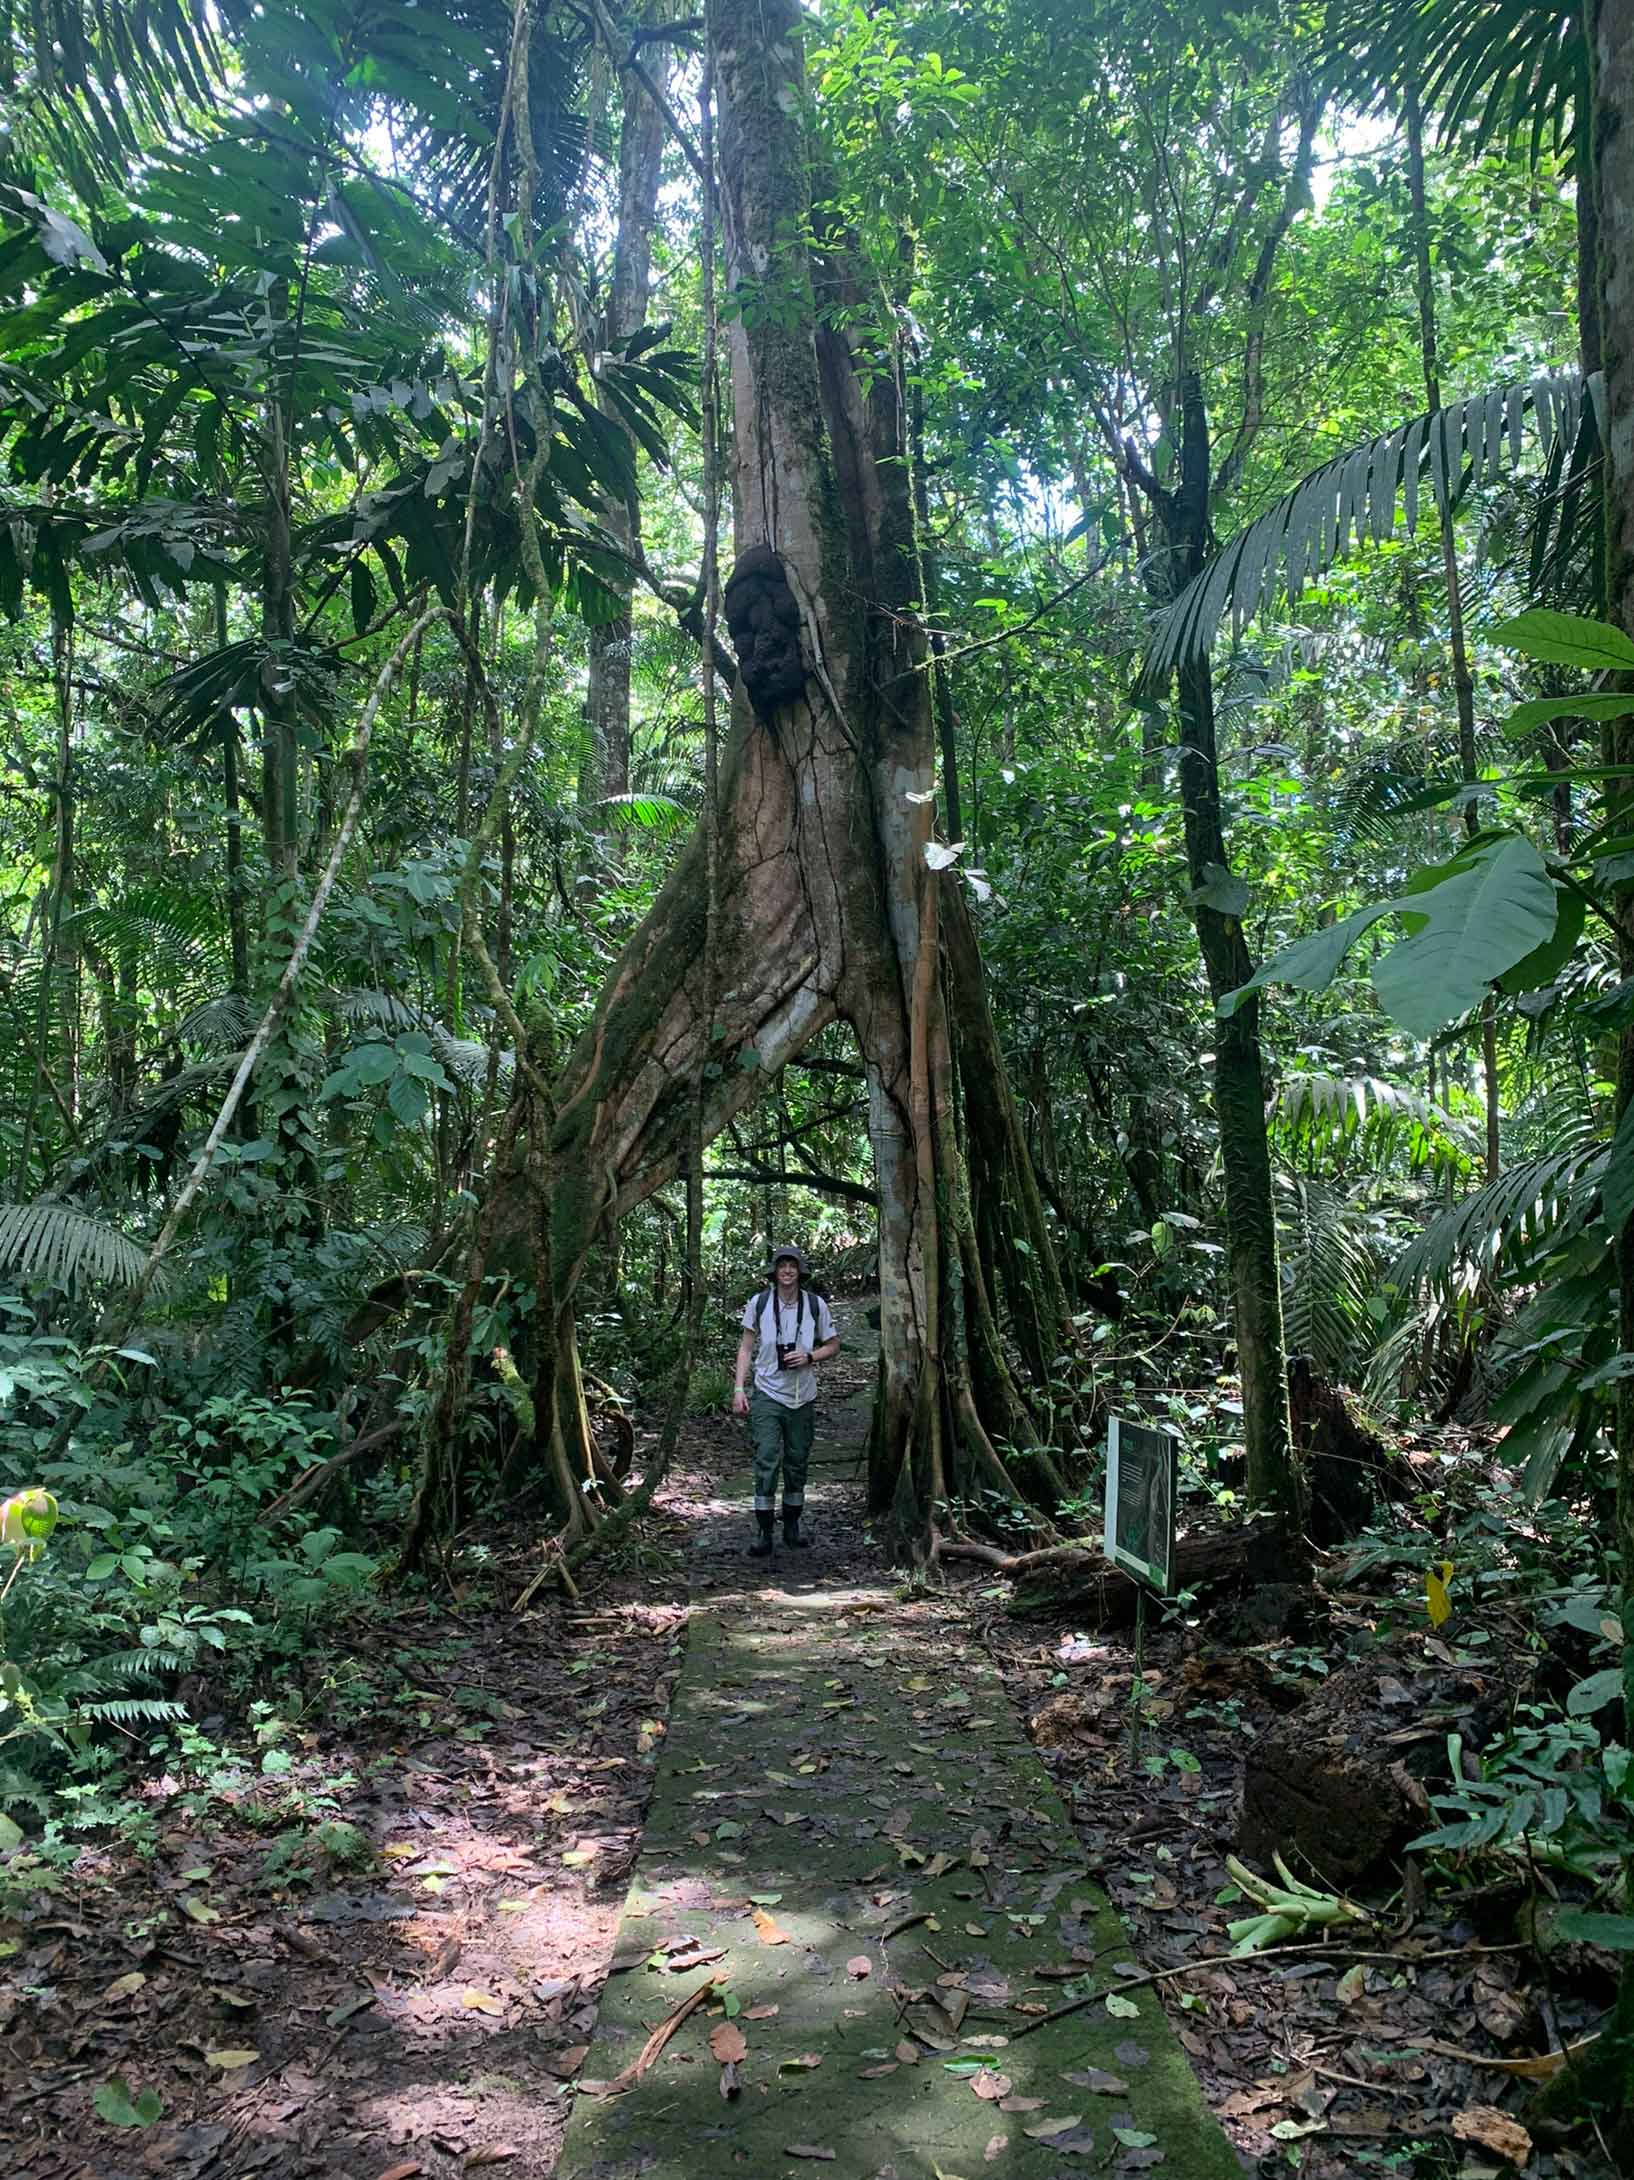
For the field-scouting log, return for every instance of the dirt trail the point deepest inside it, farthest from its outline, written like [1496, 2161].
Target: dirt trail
[856, 1866]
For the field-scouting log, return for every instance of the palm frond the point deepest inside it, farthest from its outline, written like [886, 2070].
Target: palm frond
[464, 1057]
[1351, 502]
[1329, 1264]
[1526, 1208]
[227, 1019]
[50, 1241]
[651, 813]
[1511, 69]
[1360, 1114]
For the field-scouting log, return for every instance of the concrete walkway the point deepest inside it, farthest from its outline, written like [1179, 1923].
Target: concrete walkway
[856, 1867]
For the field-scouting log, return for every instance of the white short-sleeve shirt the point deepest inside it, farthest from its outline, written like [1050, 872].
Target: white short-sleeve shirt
[804, 1322]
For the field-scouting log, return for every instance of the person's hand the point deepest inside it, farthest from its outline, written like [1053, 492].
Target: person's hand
[799, 1357]
[740, 1401]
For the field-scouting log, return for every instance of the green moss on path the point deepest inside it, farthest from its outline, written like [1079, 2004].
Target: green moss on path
[858, 1775]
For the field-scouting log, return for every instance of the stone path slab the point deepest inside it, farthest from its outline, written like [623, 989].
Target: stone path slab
[852, 1836]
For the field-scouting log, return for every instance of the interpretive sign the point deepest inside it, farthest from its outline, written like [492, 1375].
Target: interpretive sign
[1142, 1472]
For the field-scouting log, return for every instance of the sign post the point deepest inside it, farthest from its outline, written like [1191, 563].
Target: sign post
[1142, 1480]
[1142, 1473]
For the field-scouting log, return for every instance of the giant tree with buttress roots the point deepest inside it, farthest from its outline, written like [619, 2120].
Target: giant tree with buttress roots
[828, 907]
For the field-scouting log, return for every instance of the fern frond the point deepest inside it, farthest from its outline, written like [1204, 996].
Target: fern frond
[52, 1242]
[132, 1711]
[19, 1791]
[1351, 501]
[118, 1668]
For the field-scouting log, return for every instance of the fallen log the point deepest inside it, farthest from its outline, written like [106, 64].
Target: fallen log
[1207, 1559]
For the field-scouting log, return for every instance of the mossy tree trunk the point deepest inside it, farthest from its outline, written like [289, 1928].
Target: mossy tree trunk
[828, 908]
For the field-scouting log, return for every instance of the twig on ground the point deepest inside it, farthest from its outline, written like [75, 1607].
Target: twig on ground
[653, 2046]
[1252, 1960]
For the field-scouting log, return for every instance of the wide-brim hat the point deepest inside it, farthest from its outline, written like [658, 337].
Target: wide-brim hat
[798, 1255]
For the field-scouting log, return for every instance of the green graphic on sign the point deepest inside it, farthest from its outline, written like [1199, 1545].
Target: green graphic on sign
[1142, 1472]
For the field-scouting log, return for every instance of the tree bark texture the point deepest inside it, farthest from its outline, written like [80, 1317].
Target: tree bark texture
[828, 908]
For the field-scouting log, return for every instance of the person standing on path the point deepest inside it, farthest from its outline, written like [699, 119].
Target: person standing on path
[787, 1331]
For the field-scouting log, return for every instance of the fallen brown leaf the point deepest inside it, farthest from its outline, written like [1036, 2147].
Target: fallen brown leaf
[990, 2086]
[405, 2171]
[1501, 2010]
[771, 1932]
[873, 2073]
[759, 2013]
[1021, 2104]
[565, 2064]
[908, 2053]
[728, 2043]
[1493, 2130]
[996, 2147]
[1045, 2130]
[490, 2153]
[801, 2065]
[1543, 2068]
[858, 1966]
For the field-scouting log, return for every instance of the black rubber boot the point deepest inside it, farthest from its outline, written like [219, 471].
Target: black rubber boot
[763, 1550]
[792, 1539]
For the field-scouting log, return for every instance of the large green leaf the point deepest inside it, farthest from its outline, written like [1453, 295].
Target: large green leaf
[1567, 639]
[1468, 921]
[1492, 909]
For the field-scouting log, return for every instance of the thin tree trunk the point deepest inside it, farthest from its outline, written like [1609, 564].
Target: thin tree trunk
[606, 769]
[1610, 2077]
[1239, 1083]
[1463, 682]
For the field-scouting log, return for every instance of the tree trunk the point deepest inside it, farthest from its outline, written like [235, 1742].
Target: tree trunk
[606, 768]
[1463, 681]
[1608, 2080]
[1239, 1084]
[828, 907]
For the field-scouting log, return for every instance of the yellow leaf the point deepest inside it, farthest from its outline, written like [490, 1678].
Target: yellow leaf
[1436, 1601]
[126, 1986]
[230, 2061]
[482, 2002]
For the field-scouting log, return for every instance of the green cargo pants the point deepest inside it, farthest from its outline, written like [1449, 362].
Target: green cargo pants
[781, 1438]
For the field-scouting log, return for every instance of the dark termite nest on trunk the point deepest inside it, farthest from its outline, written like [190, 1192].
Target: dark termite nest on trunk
[764, 619]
